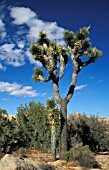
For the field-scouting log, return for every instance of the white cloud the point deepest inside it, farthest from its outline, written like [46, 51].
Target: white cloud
[15, 49]
[3, 34]
[2, 29]
[21, 44]
[53, 31]
[2, 67]
[18, 90]
[7, 47]
[2, 25]
[11, 55]
[22, 15]
[80, 87]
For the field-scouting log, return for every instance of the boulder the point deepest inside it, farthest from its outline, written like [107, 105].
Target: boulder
[9, 162]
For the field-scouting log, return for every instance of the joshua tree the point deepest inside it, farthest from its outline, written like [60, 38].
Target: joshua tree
[53, 116]
[49, 53]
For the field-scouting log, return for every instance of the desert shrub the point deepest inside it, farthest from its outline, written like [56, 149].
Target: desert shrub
[34, 126]
[98, 139]
[9, 138]
[81, 154]
[87, 131]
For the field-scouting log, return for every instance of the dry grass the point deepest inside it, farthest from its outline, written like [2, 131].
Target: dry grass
[36, 157]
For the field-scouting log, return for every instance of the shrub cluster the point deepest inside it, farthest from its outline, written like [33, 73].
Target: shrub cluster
[9, 136]
[81, 154]
[88, 131]
[31, 129]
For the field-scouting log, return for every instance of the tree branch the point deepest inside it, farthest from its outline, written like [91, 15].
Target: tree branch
[62, 66]
[56, 91]
[91, 60]
[72, 86]
[40, 78]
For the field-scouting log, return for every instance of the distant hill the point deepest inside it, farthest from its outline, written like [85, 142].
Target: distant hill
[77, 114]
[9, 116]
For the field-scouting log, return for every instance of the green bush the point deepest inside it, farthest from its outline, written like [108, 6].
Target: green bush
[9, 138]
[81, 154]
[88, 131]
[30, 128]
[34, 126]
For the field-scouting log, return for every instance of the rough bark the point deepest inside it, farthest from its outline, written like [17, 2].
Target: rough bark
[56, 91]
[63, 139]
[72, 86]
[53, 142]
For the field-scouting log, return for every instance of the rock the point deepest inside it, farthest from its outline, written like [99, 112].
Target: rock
[80, 168]
[9, 162]
[96, 169]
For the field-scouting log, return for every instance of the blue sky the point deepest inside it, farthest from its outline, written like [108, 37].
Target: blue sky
[20, 23]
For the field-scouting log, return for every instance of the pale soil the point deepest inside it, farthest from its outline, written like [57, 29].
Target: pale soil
[44, 160]
[103, 161]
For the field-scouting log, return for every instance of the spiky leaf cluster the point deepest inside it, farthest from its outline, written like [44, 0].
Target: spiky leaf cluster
[82, 34]
[36, 51]
[37, 73]
[73, 39]
[53, 48]
[68, 37]
[53, 112]
[81, 43]
[50, 103]
[43, 38]
[86, 43]
[56, 49]
[94, 52]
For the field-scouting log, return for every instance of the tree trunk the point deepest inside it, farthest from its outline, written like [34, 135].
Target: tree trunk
[53, 142]
[63, 139]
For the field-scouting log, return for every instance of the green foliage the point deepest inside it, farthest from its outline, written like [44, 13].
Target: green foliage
[3, 112]
[81, 154]
[9, 138]
[31, 128]
[69, 37]
[82, 34]
[86, 43]
[35, 125]
[36, 49]
[88, 131]
[93, 52]
[81, 41]
[50, 103]
[53, 112]
[43, 38]
[24, 130]
[38, 72]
